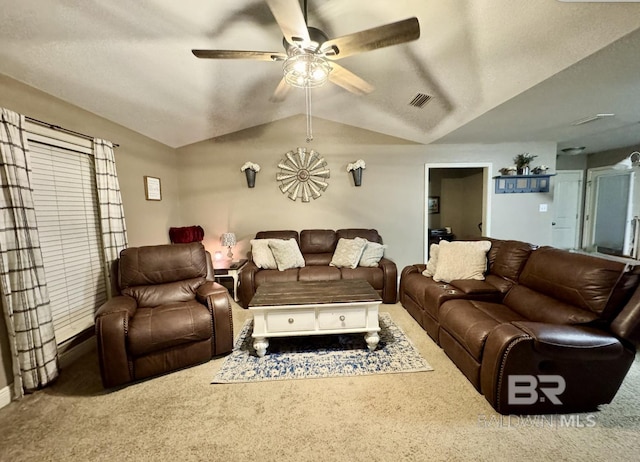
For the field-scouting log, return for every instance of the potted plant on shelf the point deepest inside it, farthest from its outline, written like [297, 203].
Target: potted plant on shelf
[508, 171]
[250, 169]
[522, 162]
[539, 170]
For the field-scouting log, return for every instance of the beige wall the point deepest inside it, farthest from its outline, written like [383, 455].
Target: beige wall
[214, 194]
[202, 183]
[147, 221]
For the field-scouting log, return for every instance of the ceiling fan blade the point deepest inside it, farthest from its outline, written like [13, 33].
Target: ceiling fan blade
[348, 80]
[281, 92]
[238, 54]
[372, 39]
[289, 17]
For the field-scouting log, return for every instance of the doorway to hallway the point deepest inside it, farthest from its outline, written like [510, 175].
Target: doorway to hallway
[457, 201]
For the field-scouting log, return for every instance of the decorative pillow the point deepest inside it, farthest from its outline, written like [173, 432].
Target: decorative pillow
[461, 260]
[432, 264]
[348, 252]
[372, 254]
[286, 253]
[262, 254]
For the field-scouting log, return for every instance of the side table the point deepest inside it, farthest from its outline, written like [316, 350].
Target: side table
[229, 269]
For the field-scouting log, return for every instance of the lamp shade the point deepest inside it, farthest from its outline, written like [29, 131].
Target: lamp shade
[228, 239]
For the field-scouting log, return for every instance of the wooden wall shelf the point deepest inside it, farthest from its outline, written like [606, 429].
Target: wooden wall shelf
[522, 183]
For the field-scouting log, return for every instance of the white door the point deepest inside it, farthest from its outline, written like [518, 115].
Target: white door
[567, 205]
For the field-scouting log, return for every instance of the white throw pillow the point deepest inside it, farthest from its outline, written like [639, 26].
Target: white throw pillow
[348, 252]
[372, 254]
[286, 253]
[461, 260]
[432, 264]
[262, 254]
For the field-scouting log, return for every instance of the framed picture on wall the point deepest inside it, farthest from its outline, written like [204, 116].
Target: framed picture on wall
[434, 204]
[152, 189]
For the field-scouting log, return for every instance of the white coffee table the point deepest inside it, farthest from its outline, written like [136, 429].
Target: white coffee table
[314, 308]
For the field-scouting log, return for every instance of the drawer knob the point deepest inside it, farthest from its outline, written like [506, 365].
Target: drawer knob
[290, 320]
[342, 317]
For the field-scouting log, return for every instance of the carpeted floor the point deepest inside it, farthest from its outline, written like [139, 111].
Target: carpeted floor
[389, 417]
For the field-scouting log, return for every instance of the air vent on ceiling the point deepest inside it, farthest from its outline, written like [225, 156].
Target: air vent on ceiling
[420, 100]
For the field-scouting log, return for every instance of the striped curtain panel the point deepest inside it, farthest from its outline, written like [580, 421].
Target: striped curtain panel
[24, 296]
[113, 227]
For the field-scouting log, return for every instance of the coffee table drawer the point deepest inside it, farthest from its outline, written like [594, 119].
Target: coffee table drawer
[289, 322]
[342, 319]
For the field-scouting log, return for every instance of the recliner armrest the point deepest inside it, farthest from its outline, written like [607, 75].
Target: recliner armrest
[474, 287]
[586, 366]
[117, 304]
[209, 288]
[112, 325]
[247, 283]
[572, 342]
[417, 268]
[390, 276]
[216, 298]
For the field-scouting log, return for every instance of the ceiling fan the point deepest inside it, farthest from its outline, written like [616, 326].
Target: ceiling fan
[308, 50]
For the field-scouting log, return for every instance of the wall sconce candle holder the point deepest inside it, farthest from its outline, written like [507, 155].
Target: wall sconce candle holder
[356, 169]
[250, 169]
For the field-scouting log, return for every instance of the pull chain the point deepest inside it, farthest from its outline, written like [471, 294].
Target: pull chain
[307, 94]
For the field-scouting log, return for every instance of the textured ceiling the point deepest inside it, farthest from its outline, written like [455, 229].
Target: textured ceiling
[131, 63]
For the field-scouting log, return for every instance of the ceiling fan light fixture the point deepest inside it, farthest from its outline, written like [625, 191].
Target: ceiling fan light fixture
[306, 70]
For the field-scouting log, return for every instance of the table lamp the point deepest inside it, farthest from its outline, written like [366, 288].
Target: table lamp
[228, 240]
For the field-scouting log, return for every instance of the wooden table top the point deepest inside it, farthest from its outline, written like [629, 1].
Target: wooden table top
[226, 264]
[309, 292]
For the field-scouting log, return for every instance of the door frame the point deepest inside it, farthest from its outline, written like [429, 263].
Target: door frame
[487, 168]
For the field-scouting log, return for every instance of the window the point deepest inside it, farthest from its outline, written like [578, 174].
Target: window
[65, 200]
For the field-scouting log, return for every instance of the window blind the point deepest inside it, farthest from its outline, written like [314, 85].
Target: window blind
[66, 206]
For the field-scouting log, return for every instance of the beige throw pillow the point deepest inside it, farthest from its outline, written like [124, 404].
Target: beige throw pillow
[432, 264]
[348, 252]
[286, 253]
[262, 254]
[372, 254]
[461, 260]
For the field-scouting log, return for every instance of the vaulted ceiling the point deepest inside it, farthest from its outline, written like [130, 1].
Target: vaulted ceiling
[497, 70]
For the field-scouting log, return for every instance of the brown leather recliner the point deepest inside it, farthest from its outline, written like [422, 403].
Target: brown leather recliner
[166, 316]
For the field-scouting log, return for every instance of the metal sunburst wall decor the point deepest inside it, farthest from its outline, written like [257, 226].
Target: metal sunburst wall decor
[302, 174]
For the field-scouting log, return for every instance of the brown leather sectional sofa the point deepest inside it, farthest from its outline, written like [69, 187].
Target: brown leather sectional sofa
[317, 247]
[547, 331]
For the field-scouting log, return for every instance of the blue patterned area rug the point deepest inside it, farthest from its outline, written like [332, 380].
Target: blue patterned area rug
[321, 356]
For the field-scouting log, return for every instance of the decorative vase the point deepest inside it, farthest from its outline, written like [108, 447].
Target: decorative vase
[524, 170]
[357, 176]
[251, 177]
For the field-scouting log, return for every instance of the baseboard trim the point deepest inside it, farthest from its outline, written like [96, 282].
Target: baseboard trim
[5, 396]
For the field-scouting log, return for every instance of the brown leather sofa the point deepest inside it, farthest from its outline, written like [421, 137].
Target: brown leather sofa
[547, 331]
[317, 247]
[166, 315]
